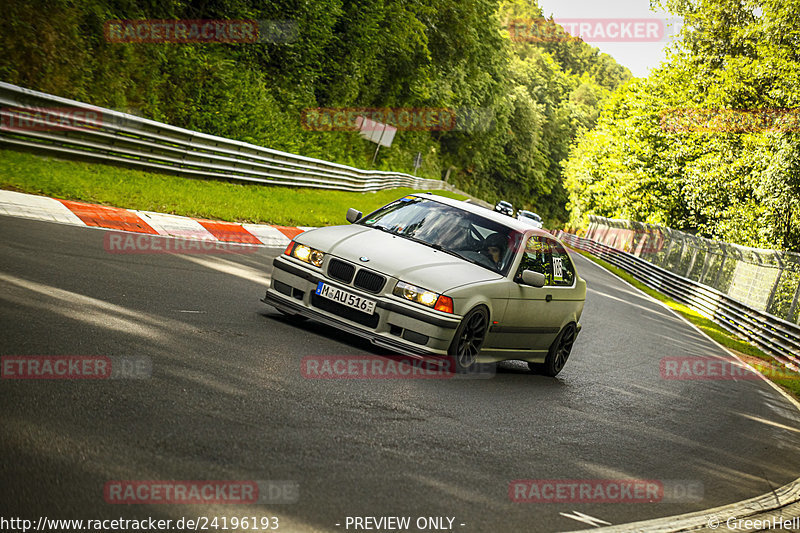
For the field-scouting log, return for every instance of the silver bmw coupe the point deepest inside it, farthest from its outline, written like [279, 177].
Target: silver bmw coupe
[429, 275]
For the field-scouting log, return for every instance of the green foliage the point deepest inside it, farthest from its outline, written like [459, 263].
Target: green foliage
[735, 181]
[520, 104]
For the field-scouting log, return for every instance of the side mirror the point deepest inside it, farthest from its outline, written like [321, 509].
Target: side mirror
[353, 215]
[534, 279]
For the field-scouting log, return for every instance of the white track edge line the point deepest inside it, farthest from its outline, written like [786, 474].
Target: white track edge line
[703, 516]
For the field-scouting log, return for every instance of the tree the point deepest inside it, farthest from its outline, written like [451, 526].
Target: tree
[709, 142]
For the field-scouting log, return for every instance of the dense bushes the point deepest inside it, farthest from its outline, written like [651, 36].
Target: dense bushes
[708, 143]
[525, 102]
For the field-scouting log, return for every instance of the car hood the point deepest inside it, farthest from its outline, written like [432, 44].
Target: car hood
[395, 256]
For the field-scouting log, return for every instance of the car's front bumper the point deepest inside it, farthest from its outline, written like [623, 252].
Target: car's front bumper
[394, 325]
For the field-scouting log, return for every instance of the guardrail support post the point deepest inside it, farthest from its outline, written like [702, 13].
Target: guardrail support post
[794, 304]
[772, 292]
[706, 263]
[719, 272]
[669, 250]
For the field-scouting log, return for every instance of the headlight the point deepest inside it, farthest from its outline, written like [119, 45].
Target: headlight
[422, 296]
[305, 254]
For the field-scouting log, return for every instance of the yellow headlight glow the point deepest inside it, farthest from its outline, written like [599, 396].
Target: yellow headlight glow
[308, 255]
[302, 252]
[428, 298]
[415, 294]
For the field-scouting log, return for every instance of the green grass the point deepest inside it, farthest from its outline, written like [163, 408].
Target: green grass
[222, 200]
[707, 326]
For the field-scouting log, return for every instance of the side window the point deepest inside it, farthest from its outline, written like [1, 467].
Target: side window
[536, 258]
[563, 271]
[549, 258]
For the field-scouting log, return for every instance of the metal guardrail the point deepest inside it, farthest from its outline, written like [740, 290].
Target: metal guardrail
[109, 136]
[766, 280]
[773, 335]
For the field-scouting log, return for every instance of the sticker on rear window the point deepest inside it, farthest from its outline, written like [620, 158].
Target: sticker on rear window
[558, 271]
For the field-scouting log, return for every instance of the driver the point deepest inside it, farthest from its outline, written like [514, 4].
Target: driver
[495, 245]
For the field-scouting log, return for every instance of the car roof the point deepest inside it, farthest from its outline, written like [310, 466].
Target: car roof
[486, 213]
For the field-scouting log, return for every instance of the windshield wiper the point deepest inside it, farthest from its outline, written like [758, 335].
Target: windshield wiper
[382, 228]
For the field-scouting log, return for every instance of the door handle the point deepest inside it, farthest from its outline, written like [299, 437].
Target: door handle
[548, 298]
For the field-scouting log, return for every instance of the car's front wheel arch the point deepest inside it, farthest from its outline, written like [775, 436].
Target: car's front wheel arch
[469, 337]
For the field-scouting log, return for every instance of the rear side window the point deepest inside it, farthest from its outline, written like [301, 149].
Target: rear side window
[563, 270]
[548, 257]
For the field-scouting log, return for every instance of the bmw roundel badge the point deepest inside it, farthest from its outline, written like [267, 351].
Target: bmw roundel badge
[364, 258]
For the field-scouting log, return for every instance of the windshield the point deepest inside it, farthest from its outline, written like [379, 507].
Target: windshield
[449, 229]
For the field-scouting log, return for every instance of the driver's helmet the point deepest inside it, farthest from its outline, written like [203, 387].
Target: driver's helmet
[496, 240]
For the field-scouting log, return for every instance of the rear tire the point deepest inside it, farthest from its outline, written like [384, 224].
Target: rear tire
[467, 341]
[558, 354]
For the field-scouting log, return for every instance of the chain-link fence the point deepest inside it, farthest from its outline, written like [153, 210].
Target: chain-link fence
[766, 280]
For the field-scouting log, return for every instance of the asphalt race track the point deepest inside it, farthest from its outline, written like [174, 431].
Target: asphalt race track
[227, 401]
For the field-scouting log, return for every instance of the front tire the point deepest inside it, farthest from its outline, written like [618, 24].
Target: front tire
[558, 354]
[468, 340]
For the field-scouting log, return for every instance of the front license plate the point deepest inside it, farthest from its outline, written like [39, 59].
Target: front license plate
[345, 298]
